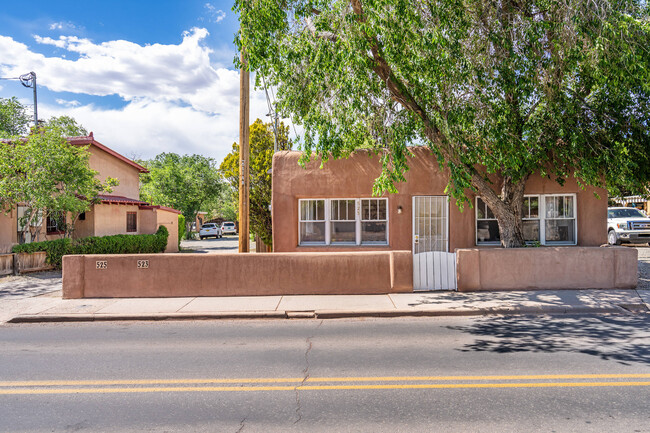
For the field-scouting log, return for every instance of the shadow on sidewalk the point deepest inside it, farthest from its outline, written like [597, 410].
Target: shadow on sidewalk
[625, 339]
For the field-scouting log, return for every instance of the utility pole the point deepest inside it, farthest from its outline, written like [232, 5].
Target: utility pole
[29, 80]
[244, 155]
[275, 130]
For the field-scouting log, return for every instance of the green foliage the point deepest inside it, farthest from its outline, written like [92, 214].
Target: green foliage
[261, 157]
[47, 174]
[14, 120]
[116, 244]
[67, 125]
[508, 88]
[181, 229]
[184, 182]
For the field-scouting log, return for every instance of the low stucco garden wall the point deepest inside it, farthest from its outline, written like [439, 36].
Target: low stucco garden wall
[546, 268]
[181, 275]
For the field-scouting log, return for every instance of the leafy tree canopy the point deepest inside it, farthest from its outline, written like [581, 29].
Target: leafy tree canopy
[184, 182]
[67, 125]
[261, 157]
[14, 120]
[558, 87]
[49, 176]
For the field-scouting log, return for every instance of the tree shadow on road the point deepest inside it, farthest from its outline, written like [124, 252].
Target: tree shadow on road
[622, 338]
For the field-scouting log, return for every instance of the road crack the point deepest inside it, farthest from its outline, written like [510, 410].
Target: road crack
[241, 425]
[305, 374]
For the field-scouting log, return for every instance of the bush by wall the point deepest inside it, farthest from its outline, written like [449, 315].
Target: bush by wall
[116, 244]
[181, 229]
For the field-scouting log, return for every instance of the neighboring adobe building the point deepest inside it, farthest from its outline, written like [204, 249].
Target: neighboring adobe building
[121, 212]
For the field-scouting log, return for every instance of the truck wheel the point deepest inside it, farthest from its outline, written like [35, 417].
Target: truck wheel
[612, 239]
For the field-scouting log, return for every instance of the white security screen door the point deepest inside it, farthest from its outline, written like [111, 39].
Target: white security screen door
[434, 268]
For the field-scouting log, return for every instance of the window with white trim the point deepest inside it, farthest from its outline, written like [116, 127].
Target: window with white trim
[560, 219]
[373, 221]
[343, 221]
[549, 219]
[312, 221]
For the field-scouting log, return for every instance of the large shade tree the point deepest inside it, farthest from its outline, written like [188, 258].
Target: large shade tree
[184, 182]
[497, 89]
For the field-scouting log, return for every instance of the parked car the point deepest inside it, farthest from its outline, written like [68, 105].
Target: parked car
[627, 224]
[210, 229]
[228, 228]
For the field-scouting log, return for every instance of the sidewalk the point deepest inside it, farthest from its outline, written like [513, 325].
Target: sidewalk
[51, 308]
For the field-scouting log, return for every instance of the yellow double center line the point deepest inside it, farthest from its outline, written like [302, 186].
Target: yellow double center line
[318, 383]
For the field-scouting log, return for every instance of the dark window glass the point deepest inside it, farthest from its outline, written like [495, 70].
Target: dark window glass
[131, 222]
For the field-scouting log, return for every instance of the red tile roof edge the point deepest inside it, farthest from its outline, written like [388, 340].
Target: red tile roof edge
[120, 200]
[165, 208]
[90, 139]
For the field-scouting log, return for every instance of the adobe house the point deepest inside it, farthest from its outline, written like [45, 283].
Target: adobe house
[120, 212]
[331, 209]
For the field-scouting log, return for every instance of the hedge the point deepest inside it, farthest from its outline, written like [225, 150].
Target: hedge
[116, 244]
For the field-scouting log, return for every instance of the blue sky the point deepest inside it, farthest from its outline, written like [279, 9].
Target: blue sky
[145, 76]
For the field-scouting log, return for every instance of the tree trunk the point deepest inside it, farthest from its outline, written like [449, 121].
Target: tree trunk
[507, 208]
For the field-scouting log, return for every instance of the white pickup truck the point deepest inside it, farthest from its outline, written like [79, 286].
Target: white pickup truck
[627, 224]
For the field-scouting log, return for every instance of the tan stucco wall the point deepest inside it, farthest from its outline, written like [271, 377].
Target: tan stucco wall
[546, 268]
[169, 220]
[178, 275]
[354, 177]
[8, 231]
[85, 228]
[109, 166]
[151, 219]
[110, 219]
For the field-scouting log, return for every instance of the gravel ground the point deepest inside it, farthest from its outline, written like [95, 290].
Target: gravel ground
[644, 268]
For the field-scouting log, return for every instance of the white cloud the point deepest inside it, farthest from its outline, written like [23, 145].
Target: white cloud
[180, 72]
[214, 15]
[177, 100]
[65, 103]
[64, 25]
[147, 128]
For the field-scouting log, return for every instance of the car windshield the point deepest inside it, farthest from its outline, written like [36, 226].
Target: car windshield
[625, 213]
[229, 225]
[208, 226]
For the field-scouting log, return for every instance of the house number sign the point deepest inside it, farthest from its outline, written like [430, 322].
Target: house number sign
[143, 264]
[101, 264]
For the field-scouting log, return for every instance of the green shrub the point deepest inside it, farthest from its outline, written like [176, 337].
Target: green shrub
[116, 244]
[181, 229]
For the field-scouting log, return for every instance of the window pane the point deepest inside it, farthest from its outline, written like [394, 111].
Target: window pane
[488, 211]
[304, 210]
[312, 232]
[351, 210]
[381, 209]
[534, 207]
[343, 232]
[531, 230]
[480, 209]
[568, 206]
[365, 209]
[373, 232]
[373, 209]
[320, 210]
[551, 207]
[334, 210]
[560, 231]
[487, 231]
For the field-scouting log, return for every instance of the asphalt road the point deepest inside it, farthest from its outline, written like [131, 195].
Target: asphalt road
[226, 244]
[493, 374]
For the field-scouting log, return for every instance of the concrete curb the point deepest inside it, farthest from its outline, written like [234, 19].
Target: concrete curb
[320, 314]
